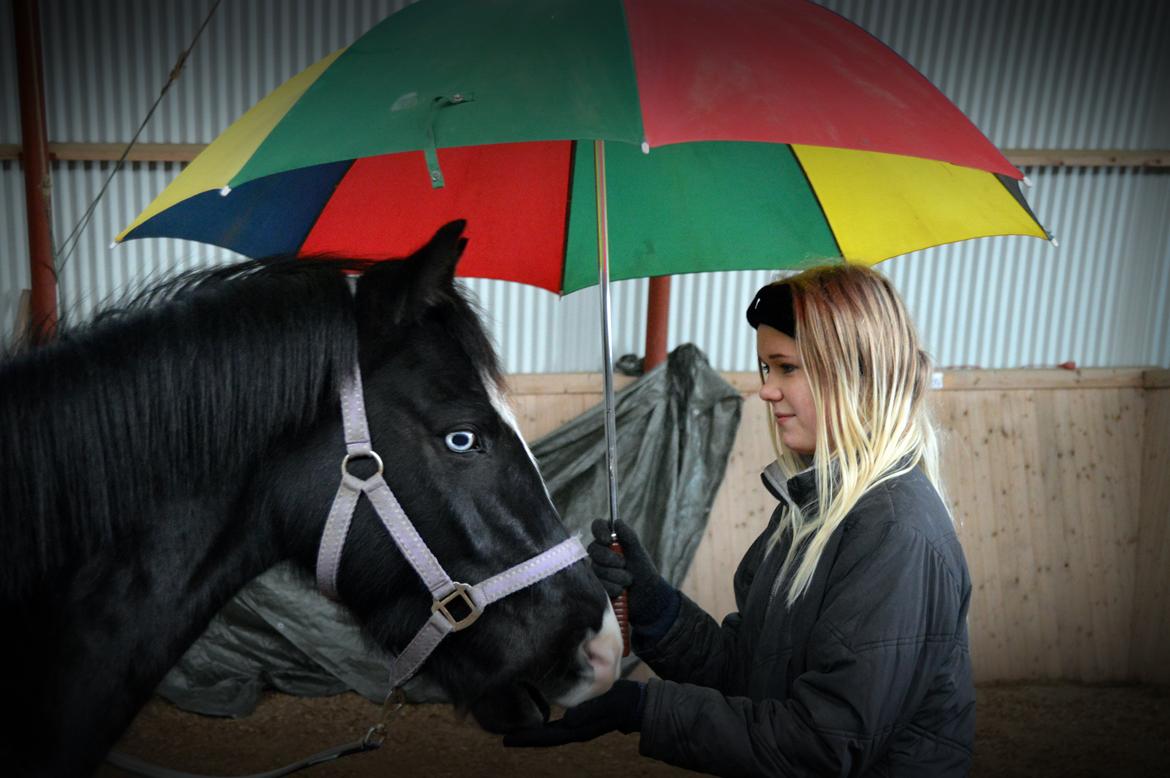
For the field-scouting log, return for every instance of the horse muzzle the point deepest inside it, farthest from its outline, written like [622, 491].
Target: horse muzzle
[599, 661]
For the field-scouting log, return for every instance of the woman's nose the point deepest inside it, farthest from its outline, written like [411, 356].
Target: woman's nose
[770, 393]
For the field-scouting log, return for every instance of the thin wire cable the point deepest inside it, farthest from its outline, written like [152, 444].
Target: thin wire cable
[61, 257]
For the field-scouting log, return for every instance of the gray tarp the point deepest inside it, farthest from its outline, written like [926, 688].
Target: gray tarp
[676, 427]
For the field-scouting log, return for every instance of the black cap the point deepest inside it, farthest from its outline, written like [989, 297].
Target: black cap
[773, 306]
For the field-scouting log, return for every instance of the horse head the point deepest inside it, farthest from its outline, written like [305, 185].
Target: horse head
[455, 460]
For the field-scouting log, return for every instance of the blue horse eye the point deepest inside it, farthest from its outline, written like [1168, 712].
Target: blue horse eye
[461, 441]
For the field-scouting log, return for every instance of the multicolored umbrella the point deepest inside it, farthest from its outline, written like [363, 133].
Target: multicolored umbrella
[718, 135]
[738, 134]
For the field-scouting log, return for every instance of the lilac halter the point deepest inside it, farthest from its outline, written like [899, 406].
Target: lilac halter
[444, 591]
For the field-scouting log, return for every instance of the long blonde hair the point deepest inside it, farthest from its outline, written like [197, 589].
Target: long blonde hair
[869, 379]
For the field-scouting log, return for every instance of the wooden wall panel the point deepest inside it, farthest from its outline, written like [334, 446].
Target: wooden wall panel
[543, 402]
[1052, 476]
[1043, 487]
[1150, 655]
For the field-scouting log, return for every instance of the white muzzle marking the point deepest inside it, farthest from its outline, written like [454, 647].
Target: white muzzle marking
[600, 657]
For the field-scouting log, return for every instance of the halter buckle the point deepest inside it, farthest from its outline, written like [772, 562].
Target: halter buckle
[462, 591]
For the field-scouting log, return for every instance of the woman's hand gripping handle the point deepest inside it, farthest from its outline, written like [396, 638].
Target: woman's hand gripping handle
[629, 576]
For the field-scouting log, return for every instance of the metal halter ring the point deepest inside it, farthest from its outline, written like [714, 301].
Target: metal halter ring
[461, 591]
[358, 455]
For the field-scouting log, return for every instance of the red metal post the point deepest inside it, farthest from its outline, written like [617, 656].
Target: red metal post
[657, 321]
[35, 158]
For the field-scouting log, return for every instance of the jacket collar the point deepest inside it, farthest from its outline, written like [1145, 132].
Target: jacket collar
[800, 489]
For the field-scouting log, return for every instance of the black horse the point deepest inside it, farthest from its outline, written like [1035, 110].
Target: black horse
[155, 460]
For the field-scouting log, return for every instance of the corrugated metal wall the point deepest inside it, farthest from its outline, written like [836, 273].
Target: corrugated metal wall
[1080, 74]
[13, 231]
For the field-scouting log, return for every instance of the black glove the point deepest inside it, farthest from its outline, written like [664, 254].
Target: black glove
[634, 572]
[618, 709]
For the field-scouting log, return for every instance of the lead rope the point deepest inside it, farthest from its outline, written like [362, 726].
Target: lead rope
[372, 740]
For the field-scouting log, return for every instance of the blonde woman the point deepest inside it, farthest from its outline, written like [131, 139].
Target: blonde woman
[848, 654]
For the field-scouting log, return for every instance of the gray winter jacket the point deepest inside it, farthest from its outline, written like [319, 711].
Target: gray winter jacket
[868, 674]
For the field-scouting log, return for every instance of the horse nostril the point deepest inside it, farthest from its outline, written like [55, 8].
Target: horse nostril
[604, 651]
[603, 659]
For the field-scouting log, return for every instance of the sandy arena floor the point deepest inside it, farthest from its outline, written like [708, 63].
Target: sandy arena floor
[1051, 730]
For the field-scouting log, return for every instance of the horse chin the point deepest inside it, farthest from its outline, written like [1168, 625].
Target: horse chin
[507, 710]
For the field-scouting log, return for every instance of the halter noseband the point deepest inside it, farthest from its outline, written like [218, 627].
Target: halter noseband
[444, 592]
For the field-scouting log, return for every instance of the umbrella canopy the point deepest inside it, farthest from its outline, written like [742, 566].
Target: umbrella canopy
[739, 134]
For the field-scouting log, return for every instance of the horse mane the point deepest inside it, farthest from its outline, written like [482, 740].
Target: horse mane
[178, 388]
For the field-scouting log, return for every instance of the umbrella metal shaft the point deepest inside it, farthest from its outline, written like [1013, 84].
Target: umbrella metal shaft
[606, 340]
[621, 604]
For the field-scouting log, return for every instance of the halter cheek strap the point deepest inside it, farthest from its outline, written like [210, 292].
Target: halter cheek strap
[445, 593]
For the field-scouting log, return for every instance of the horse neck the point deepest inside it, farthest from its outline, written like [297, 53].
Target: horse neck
[121, 625]
[143, 441]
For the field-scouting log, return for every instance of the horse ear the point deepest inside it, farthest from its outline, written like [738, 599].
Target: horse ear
[435, 262]
[398, 291]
